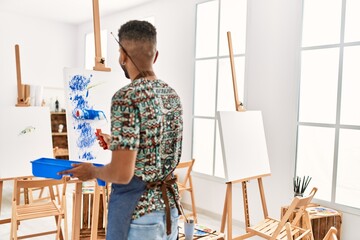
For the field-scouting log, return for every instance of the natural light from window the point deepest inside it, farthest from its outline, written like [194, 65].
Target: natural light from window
[328, 144]
[213, 89]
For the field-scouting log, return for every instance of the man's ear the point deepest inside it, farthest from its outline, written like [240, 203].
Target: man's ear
[123, 56]
[156, 56]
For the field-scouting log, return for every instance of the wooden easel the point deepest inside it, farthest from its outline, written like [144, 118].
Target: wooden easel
[99, 60]
[23, 98]
[227, 212]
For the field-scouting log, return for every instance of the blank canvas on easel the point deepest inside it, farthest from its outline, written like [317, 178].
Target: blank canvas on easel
[26, 137]
[244, 145]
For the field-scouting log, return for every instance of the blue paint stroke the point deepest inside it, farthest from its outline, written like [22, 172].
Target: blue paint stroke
[88, 114]
[82, 112]
[86, 139]
[79, 83]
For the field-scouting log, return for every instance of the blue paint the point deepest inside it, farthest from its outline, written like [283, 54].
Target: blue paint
[82, 113]
[79, 83]
[80, 102]
[87, 137]
[88, 156]
[88, 114]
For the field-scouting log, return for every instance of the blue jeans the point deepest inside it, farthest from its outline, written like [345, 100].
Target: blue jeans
[152, 226]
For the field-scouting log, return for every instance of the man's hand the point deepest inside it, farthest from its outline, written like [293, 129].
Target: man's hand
[103, 139]
[82, 171]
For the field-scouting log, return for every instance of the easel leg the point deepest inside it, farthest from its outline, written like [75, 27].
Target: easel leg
[223, 220]
[229, 210]
[246, 204]
[262, 195]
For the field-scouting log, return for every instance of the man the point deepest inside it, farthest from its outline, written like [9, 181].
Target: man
[146, 141]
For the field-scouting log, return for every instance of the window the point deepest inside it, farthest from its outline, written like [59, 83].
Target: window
[90, 48]
[213, 90]
[328, 147]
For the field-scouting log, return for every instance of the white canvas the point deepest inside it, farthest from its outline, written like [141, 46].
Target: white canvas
[243, 144]
[88, 108]
[26, 136]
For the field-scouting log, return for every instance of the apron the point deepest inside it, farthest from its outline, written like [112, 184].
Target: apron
[124, 199]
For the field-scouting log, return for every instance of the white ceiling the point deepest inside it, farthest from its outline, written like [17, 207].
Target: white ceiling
[67, 11]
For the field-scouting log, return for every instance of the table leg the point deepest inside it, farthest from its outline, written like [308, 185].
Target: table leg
[95, 213]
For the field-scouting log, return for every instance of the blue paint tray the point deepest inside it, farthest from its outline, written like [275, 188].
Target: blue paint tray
[49, 167]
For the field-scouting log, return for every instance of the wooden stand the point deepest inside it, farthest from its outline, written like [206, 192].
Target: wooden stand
[227, 212]
[99, 60]
[238, 105]
[23, 99]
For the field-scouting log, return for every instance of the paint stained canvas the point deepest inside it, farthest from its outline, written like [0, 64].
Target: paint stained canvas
[88, 95]
[26, 136]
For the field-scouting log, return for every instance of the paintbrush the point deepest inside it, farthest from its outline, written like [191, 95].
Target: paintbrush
[305, 183]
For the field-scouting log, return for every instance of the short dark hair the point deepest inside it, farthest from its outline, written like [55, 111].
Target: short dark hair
[135, 30]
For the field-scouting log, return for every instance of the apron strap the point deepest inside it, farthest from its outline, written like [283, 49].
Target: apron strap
[166, 185]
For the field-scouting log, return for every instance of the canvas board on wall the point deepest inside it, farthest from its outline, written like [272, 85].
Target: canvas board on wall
[26, 137]
[243, 144]
[88, 100]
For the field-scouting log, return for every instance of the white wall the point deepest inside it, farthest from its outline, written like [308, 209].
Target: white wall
[272, 56]
[45, 49]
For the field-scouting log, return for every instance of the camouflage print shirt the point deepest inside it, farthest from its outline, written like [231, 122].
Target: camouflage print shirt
[146, 116]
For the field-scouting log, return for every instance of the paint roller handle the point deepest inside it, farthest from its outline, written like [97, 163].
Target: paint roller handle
[101, 139]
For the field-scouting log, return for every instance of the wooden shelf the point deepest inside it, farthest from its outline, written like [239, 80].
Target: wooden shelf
[60, 140]
[59, 134]
[61, 152]
[59, 113]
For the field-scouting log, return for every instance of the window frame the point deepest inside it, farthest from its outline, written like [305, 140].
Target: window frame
[337, 126]
[217, 58]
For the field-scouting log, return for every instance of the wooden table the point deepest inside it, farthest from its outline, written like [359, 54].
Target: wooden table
[321, 222]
